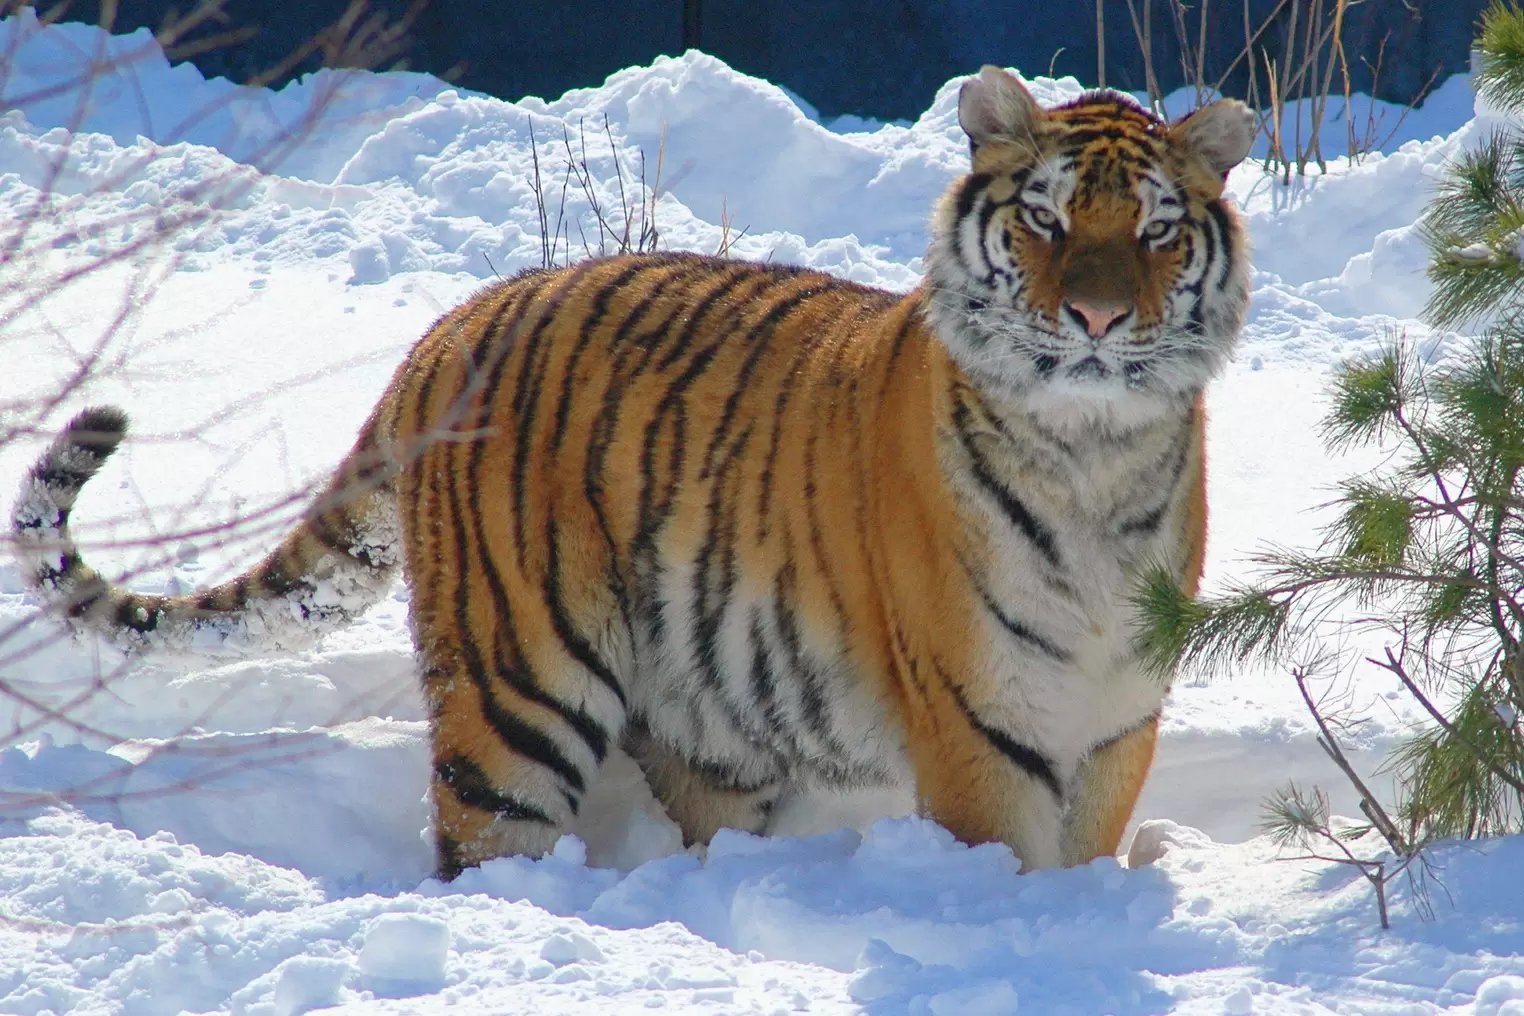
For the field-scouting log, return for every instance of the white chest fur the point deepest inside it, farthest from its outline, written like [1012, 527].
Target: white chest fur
[1061, 526]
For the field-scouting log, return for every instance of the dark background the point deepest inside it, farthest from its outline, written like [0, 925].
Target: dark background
[879, 58]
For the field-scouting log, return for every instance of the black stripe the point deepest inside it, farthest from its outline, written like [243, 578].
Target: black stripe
[763, 683]
[709, 609]
[239, 586]
[437, 493]
[626, 344]
[1125, 732]
[272, 578]
[724, 778]
[578, 647]
[1207, 255]
[896, 350]
[654, 507]
[991, 270]
[691, 332]
[449, 857]
[1196, 254]
[132, 613]
[1179, 454]
[471, 787]
[526, 397]
[968, 192]
[1114, 141]
[1102, 105]
[89, 439]
[1018, 630]
[770, 459]
[517, 734]
[786, 390]
[490, 357]
[1057, 445]
[586, 330]
[696, 316]
[812, 696]
[1036, 533]
[85, 599]
[816, 528]
[650, 517]
[803, 350]
[1224, 237]
[651, 511]
[340, 539]
[1026, 758]
[755, 336]
[711, 604]
[429, 499]
[56, 475]
[517, 672]
[1147, 524]
[862, 506]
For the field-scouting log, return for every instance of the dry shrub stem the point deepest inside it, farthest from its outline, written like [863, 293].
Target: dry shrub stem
[1293, 818]
[1370, 805]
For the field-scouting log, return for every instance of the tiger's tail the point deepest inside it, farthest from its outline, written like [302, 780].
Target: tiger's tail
[338, 561]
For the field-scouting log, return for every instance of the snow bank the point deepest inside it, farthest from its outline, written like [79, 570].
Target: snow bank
[900, 920]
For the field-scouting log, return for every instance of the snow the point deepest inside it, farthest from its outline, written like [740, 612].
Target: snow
[245, 831]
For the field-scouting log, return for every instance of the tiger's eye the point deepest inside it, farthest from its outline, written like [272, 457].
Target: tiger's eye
[1043, 221]
[1158, 230]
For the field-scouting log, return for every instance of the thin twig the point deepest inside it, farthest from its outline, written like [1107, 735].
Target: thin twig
[1330, 745]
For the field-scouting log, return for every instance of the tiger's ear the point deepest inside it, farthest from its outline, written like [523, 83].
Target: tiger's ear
[1219, 132]
[993, 105]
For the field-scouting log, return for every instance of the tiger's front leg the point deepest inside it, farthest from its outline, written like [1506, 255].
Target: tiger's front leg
[985, 785]
[1106, 790]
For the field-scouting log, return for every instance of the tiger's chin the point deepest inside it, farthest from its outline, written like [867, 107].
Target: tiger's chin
[1088, 394]
[1090, 401]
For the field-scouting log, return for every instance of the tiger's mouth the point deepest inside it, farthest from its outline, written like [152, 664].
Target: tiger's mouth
[1090, 367]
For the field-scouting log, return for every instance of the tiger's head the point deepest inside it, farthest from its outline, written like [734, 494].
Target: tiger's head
[1088, 264]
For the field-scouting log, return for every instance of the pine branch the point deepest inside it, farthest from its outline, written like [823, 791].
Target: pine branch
[1395, 665]
[1490, 539]
[1473, 229]
[1177, 631]
[1247, 623]
[1376, 526]
[1365, 395]
[1499, 76]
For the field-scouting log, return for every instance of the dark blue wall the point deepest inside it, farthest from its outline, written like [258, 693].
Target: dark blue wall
[881, 58]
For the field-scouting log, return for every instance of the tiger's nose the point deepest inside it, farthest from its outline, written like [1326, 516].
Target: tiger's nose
[1096, 318]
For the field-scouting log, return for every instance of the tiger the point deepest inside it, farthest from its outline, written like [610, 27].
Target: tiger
[768, 530]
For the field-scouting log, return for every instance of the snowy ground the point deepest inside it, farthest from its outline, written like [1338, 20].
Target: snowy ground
[246, 834]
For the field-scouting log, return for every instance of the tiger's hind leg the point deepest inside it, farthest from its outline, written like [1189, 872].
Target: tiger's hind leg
[515, 747]
[703, 798]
